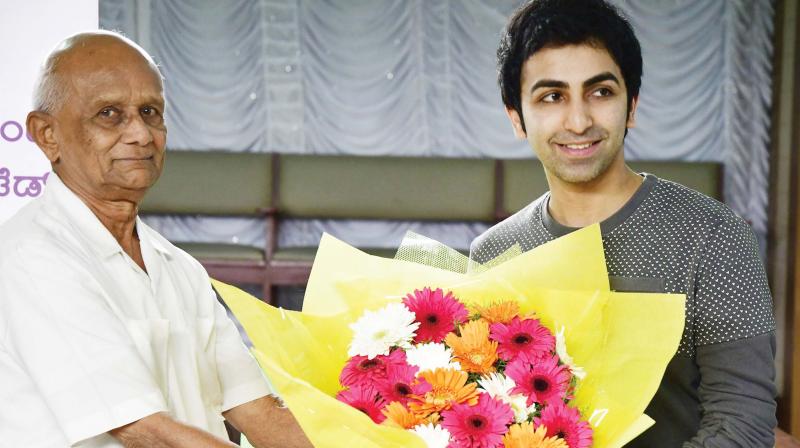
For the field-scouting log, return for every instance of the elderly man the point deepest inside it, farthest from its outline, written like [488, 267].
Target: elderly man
[109, 335]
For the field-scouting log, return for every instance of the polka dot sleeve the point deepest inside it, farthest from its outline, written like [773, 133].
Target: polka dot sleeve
[732, 297]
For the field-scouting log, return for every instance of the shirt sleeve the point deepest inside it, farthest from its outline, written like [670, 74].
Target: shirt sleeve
[62, 333]
[734, 342]
[737, 394]
[732, 296]
[241, 379]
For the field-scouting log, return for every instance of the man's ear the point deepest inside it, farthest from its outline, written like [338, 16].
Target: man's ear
[40, 128]
[631, 122]
[516, 123]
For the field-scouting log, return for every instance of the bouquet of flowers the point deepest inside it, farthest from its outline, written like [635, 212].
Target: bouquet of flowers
[486, 378]
[623, 342]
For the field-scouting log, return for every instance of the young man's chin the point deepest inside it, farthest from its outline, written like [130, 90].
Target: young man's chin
[580, 174]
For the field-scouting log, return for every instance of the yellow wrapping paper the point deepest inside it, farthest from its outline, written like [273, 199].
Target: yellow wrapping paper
[623, 340]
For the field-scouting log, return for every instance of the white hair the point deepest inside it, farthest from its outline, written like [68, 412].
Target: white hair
[48, 91]
[47, 95]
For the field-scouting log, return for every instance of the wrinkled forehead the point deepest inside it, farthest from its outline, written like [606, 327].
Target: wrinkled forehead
[100, 42]
[102, 53]
[106, 66]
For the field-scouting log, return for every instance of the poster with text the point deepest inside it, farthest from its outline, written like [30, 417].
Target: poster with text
[29, 30]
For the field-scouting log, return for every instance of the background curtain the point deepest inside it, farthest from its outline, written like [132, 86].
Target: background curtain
[417, 77]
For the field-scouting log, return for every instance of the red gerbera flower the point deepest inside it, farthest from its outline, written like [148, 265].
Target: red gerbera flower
[360, 370]
[478, 426]
[400, 382]
[540, 378]
[522, 336]
[565, 422]
[437, 313]
[366, 399]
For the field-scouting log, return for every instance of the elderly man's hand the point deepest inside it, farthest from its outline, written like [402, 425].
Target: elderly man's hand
[161, 431]
[268, 425]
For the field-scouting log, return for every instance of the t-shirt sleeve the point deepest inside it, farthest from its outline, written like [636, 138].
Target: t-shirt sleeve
[734, 341]
[63, 335]
[241, 379]
[732, 296]
[737, 393]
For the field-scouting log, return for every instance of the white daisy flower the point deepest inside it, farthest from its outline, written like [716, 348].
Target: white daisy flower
[434, 435]
[376, 332]
[496, 385]
[499, 386]
[519, 404]
[561, 351]
[431, 356]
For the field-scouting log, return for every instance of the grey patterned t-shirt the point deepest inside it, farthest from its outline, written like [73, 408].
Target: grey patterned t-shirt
[669, 238]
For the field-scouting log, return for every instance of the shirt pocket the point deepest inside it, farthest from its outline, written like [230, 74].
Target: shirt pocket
[637, 284]
[208, 376]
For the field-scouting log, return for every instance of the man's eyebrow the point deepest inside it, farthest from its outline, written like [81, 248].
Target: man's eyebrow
[111, 99]
[555, 84]
[105, 99]
[156, 101]
[605, 76]
[548, 84]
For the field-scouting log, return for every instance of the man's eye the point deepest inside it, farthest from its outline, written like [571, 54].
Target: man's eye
[603, 91]
[148, 111]
[151, 115]
[553, 97]
[107, 112]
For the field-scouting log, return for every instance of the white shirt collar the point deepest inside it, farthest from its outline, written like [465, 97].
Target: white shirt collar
[146, 234]
[81, 219]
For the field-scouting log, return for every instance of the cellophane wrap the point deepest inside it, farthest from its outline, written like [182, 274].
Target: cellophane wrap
[420, 249]
[624, 341]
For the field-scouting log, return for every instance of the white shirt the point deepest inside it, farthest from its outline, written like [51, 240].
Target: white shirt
[90, 342]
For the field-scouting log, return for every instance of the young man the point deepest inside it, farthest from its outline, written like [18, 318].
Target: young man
[570, 72]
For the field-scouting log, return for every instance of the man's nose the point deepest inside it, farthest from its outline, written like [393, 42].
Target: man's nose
[137, 132]
[578, 118]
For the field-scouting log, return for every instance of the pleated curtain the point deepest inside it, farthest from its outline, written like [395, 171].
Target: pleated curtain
[418, 78]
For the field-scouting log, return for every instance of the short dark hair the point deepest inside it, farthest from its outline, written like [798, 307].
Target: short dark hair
[556, 23]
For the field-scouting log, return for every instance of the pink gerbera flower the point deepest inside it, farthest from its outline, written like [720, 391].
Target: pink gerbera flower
[400, 382]
[366, 399]
[360, 370]
[540, 378]
[478, 426]
[526, 336]
[565, 422]
[437, 313]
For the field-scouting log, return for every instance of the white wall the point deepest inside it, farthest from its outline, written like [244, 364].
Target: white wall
[29, 29]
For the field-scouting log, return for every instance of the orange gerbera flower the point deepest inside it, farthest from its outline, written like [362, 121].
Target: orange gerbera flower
[397, 415]
[473, 350]
[501, 312]
[524, 436]
[448, 386]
